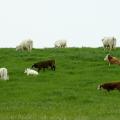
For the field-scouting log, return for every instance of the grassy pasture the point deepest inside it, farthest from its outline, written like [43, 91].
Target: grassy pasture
[69, 93]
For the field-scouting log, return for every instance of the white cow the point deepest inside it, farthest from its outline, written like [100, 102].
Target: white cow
[60, 44]
[30, 71]
[109, 42]
[4, 74]
[25, 45]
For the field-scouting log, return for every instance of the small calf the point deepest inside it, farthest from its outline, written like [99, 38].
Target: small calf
[109, 86]
[111, 60]
[30, 72]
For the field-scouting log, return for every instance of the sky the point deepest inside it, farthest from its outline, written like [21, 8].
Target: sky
[83, 23]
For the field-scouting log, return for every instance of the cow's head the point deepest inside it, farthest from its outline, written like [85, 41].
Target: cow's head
[108, 57]
[26, 70]
[99, 87]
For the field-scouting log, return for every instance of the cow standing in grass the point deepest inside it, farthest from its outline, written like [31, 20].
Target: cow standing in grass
[4, 74]
[111, 60]
[109, 43]
[60, 44]
[44, 64]
[109, 86]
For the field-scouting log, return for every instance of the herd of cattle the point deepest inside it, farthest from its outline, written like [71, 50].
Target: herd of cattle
[108, 43]
[28, 45]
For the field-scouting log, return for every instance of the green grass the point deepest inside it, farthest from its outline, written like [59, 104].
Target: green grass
[69, 93]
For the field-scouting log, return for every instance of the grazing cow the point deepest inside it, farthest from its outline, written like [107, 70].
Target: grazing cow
[44, 64]
[4, 74]
[109, 86]
[109, 42]
[60, 44]
[111, 60]
[30, 72]
[25, 45]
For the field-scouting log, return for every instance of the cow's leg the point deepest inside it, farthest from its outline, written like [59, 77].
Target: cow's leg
[39, 69]
[44, 69]
[108, 90]
[113, 46]
[53, 67]
[110, 47]
[104, 47]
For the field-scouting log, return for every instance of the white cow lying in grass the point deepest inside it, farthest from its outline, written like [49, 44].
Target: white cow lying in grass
[60, 44]
[4, 74]
[109, 42]
[30, 71]
[25, 45]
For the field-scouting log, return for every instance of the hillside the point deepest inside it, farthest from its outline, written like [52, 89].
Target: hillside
[69, 93]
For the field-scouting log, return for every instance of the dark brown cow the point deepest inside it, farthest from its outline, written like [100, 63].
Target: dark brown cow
[109, 86]
[45, 64]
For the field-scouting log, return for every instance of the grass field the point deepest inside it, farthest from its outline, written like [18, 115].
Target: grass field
[69, 93]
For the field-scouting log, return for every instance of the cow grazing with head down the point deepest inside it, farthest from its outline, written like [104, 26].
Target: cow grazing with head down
[112, 60]
[25, 45]
[109, 86]
[45, 64]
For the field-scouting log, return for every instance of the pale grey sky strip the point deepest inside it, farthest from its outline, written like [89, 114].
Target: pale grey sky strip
[80, 22]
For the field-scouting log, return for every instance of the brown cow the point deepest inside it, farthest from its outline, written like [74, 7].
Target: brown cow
[45, 64]
[109, 86]
[112, 60]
